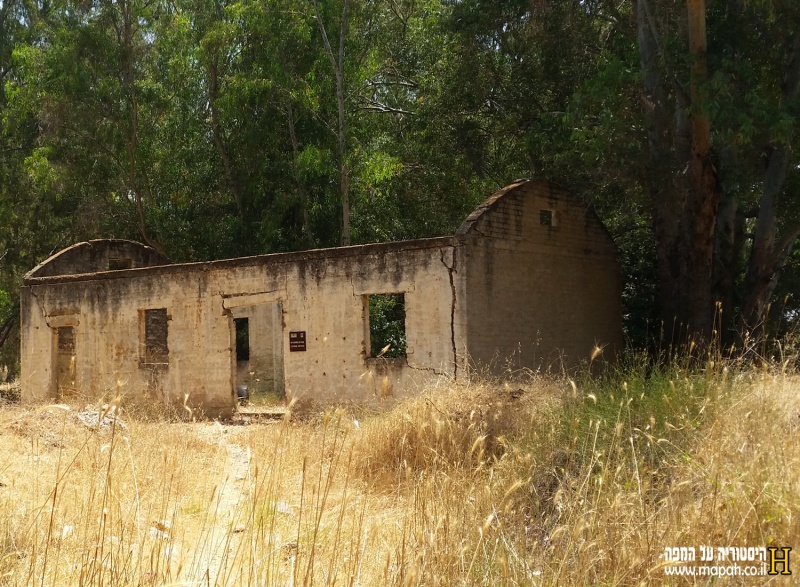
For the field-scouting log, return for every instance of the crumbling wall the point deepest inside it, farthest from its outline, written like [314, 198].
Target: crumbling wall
[529, 281]
[320, 293]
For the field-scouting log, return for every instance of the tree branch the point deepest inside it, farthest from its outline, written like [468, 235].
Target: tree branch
[785, 244]
[325, 41]
[8, 325]
[374, 106]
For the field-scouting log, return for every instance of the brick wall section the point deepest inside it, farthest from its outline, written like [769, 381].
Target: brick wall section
[539, 296]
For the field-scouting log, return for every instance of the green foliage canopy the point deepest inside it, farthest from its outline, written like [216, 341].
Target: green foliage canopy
[213, 128]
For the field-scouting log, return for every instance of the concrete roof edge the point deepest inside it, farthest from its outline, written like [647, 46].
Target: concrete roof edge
[289, 257]
[32, 273]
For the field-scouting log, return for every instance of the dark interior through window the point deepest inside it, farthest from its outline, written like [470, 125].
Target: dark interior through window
[117, 263]
[155, 336]
[242, 326]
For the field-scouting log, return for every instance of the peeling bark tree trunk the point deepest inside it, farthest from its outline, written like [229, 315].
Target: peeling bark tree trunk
[704, 191]
[698, 229]
[681, 180]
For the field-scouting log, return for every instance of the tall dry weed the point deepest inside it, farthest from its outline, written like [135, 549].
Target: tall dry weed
[545, 482]
[459, 428]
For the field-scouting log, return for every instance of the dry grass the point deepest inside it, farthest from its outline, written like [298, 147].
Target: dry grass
[538, 483]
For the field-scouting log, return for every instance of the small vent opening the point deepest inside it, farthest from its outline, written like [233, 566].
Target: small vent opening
[117, 263]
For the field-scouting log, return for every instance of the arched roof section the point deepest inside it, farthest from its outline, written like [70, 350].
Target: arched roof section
[530, 205]
[470, 223]
[98, 256]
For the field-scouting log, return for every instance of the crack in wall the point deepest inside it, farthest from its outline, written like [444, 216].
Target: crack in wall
[450, 272]
[431, 369]
[233, 296]
[39, 303]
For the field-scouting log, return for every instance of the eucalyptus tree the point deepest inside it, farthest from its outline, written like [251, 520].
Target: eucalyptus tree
[85, 82]
[721, 90]
[30, 226]
[676, 119]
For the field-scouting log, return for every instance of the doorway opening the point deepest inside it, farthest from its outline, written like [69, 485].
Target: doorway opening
[257, 353]
[242, 326]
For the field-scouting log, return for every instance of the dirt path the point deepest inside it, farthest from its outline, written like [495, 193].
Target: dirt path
[213, 558]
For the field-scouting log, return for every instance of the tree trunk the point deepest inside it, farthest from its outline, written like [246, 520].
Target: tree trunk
[728, 246]
[767, 257]
[8, 325]
[308, 237]
[128, 66]
[704, 191]
[666, 206]
[344, 186]
[341, 128]
[681, 180]
[227, 164]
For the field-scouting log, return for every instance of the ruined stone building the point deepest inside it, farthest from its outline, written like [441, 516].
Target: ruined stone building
[530, 280]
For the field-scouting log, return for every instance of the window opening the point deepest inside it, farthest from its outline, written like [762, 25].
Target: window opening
[242, 326]
[546, 217]
[387, 325]
[155, 336]
[117, 263]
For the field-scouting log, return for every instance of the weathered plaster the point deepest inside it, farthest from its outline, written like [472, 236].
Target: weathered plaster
[503, 284]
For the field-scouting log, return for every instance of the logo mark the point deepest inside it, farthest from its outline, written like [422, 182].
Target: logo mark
[775, 560]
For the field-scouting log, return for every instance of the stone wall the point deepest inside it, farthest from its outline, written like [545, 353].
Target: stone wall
[321, 293]
[530, 281]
